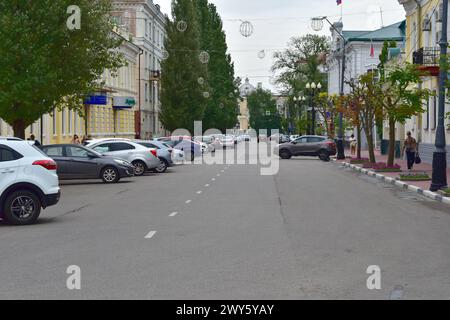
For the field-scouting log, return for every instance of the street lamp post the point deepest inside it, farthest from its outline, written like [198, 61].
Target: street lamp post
[298, 103]
[439, 179]
[317, 25]
[312, 87]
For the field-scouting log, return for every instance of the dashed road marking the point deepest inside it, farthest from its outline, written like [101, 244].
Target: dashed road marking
[173, 214]
[188, 201]
[199, 192]
[207, 185]
[150, 235]
[213, 179]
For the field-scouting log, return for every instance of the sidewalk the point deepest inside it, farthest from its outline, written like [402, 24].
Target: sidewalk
[419, 186]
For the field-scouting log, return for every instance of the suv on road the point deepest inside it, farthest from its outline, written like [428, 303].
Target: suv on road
[315, 146]
[28, 182]
[142, 158]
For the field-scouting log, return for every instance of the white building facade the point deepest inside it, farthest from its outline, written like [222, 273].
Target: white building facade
[146, 23]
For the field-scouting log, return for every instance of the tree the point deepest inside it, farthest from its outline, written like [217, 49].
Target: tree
[220, 112]
[44, 64]
[400, 98]
[183, 99]
[299, 64]
[350, 106]
[365, 96]
[263, 111]
[326, 106]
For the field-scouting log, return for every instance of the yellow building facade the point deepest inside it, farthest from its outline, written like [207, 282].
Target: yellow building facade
[423, 33]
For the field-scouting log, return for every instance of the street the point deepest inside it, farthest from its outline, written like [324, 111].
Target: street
[227, 232]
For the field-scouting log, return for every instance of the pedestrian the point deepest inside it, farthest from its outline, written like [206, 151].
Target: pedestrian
[76, 139]
[84, 141]
[36, 142]
[353, 144]
[410, 147]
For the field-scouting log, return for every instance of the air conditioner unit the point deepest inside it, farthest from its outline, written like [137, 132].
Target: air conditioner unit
[426, 24]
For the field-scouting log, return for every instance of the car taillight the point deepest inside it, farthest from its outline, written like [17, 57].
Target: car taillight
[330, 143]
[153, 151]
[47, 164]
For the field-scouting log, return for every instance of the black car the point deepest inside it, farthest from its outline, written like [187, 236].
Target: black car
[79, 162]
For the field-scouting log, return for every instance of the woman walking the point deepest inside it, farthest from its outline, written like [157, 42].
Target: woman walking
[411, 148]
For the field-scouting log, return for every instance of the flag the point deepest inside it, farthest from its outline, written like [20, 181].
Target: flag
[339, 2]
[372, 49]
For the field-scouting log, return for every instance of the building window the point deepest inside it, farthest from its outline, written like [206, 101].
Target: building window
[146, 92]
[70, 121]
[63, 121]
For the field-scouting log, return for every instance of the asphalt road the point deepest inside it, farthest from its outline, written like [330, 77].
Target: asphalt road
[227, 232]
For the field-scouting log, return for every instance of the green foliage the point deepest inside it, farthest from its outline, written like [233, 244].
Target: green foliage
[220, 112]
[44, 65]
[300, 62]
[182, 99]
[182, 96]
[263, 111]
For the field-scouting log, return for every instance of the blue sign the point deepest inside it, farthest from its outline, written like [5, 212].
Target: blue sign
[97, 99]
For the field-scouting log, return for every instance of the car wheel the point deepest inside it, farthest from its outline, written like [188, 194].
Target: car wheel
[110, 175]
[162, 166]
[139, 168]
[324, 155]
[285, 154]
[22, 207]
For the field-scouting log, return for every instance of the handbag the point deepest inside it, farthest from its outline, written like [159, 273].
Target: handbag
[417, 159]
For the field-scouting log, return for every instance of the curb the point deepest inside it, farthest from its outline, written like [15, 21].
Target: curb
[398, 183]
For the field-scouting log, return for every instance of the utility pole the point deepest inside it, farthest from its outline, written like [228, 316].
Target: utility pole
[439, 179]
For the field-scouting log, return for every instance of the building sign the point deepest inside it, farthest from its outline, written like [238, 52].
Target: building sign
[124, 102]
[97, 99]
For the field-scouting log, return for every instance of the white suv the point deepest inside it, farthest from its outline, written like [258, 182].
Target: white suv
[28, 182]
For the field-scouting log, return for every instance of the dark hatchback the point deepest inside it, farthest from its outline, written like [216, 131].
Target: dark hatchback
[78, 162]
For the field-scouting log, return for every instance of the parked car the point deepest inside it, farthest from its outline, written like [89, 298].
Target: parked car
[10, 138]
[28, 182]
[177, 155]
[78, 162]
[142, 158]
[190, 148]
[293, 137]
[245, 137]
[164, 153]
[227, 141]
[316, 146]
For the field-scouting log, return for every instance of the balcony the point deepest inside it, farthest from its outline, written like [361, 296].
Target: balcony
[427, 60]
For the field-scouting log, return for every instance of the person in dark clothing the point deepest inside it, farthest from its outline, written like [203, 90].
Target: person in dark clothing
[410, 147]
[36, 142]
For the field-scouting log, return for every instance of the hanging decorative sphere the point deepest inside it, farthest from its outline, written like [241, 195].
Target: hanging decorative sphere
[221, 106]
[201, 81]
[164, 54]
[231, 95]
[246, 29]
[182, 26]
[206, 95]
[262, 54]
[204, 57]
[316, 24]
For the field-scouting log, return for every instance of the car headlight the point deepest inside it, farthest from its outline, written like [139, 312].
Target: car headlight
[121, 162]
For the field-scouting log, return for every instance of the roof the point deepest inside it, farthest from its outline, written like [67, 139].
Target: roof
[394, 32]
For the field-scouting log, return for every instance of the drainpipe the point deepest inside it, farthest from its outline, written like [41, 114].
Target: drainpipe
[141, 52]
[419, 23]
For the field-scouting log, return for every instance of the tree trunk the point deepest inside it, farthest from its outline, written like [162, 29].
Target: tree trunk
[19, 128]
[370, 145]
[391, 152]
[358, 138]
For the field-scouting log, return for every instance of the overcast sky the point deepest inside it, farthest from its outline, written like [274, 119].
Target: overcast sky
[276, 21]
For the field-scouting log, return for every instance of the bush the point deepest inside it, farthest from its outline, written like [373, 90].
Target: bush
[359, 160]
[415, 177]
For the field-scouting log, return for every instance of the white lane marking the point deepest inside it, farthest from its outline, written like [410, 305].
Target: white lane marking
[150, 235]
[207, 185]
[222, 171]
[218, 174]
[213, 179]
[173, 214]
[199, 192]
[188, 201]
